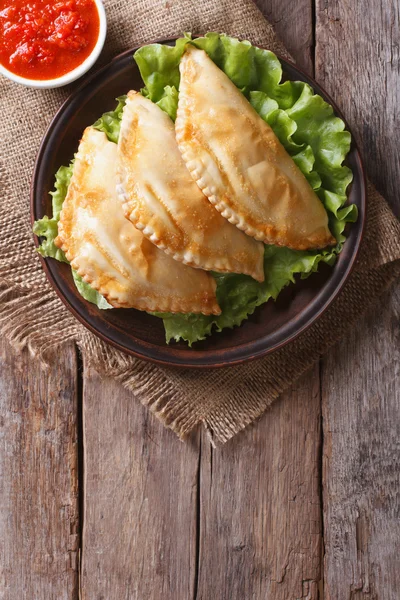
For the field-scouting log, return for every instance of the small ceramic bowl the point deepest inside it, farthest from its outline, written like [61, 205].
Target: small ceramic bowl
[75, 73]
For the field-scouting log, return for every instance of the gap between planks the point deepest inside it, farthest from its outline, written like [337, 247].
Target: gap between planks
[170, 520]
[284, 570]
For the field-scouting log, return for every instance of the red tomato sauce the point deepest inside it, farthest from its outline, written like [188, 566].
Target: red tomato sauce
[45, 40]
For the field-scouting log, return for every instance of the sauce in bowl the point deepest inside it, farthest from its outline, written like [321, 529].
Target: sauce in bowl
[44, 40]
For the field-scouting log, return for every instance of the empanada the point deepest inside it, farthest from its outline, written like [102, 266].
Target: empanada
[239, 163]
[111, 254]
[161, 199]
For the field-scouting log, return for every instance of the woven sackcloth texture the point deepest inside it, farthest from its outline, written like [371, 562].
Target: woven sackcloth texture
[32, 315]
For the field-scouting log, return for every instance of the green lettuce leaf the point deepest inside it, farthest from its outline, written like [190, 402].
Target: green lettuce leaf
[47, 228]
[159, 68]
[169, 102]
[308, 129]
[249, 68]
[110, 122]
[239, 295]
[87, 292]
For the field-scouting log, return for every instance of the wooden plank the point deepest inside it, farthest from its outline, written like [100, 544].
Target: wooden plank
[357, 61]
[260, 518]
[38, 477]
[139, 535]
[259, 522]
[293, 23]
[357, 56]
[361, 393]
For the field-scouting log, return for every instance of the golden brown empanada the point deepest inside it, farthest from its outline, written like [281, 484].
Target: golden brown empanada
[111, 254]
[239, 163]
[161, 199]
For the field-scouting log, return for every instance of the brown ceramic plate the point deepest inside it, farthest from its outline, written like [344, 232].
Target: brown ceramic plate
[272, 325]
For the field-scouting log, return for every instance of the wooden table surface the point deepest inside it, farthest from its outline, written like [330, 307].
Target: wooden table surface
[98, 500]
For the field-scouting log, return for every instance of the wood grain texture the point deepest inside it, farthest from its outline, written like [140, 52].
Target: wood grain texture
[357, 61]
[362, 460]
[140, 483]
[38, 477]
[260, 514]
[293, 22]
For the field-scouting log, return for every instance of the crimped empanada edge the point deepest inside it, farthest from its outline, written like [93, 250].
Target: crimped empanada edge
[159, 305]
[187, 258]
[221, 265]
[270, 235]
[63, 242]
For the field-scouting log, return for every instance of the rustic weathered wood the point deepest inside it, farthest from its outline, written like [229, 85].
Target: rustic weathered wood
[362, 460]
[260, 516]
[357, 60]
[253, 505]
[293, 22]
[39, 535]
[140, 485]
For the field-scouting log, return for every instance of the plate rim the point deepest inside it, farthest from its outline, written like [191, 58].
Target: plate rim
[201, 364]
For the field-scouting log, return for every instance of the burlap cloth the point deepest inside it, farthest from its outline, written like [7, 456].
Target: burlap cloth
[32, 315]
